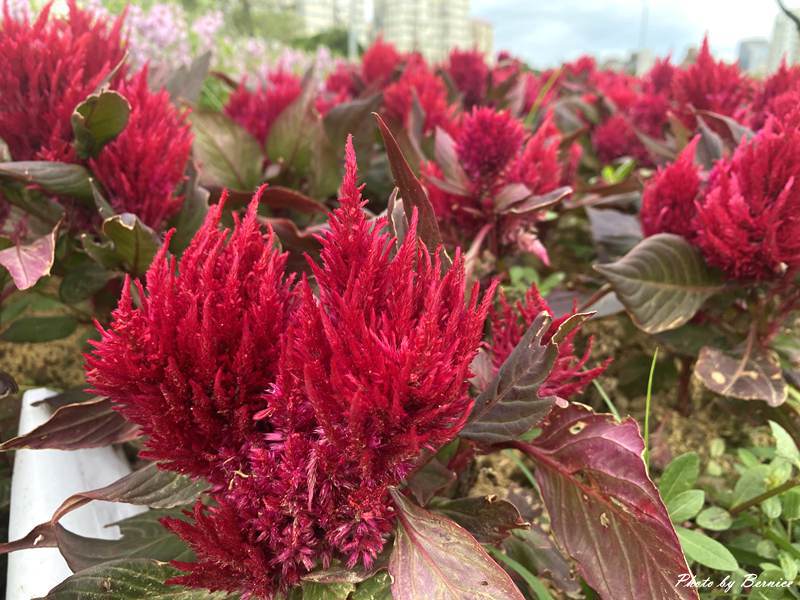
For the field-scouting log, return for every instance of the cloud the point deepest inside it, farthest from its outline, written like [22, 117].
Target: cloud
[547, 33]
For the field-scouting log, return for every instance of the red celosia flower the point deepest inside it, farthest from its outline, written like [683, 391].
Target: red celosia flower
[659, 79]
[418, 80]
[509, 323]
[340, 86]
[486, 143]
[256, 110]
[141, 168]
[379, 62]
[710, 85]
[668, 200]
[538, 165]
[748, 223]
[469, 71]
[581, 68]
[47, 68]
[772, 96]
[347, 404]
[189, 364]
[615, 138]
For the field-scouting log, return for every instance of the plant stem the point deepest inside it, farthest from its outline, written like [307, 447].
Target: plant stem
[742, 506]
[647, 410]
[606, 399]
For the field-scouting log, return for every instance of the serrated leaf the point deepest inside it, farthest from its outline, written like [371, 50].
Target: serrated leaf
[662, 282]
[135, 244]
[90, 424]
[714, 518]
[435, 559]
[685, 505]
[227, 155]
[63, 179]
[98, 120]
[706, 551]
[750, 374]
[680, 475]
[488, 518]
[603, 508]
[39, 329]
[128, 579]
[28, 263]
[411, 190]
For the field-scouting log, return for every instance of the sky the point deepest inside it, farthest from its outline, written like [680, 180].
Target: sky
[548, 32]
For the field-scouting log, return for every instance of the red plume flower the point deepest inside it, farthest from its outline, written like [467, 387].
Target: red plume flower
[141, 168]
[379, 63]
[418, 80]
[668, 201]
[509, 323]
[469, 71]
[748, 223]
[256, 110]
[47, 68]
[781, 85]
[615, 137]
[486, 143]
[190, 362]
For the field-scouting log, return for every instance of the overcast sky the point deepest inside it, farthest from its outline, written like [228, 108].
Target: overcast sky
[548, 32]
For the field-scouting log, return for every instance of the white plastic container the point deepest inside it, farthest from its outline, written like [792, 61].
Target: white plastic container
[41, 481]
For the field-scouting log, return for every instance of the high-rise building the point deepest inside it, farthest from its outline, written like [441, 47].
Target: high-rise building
[430, 27]
[316, 16]
[785, 42]
[754, 56]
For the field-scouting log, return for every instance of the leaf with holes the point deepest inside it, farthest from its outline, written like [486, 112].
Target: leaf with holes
[89, 424]
[604, 509]
[227, 155]
[662, 282]
[488, 518]
[128, 579]
[750, 374]
[435, 559]
[98, 120]
[28, 263]
[510, 405]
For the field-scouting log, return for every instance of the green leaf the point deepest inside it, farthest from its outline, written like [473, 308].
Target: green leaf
[135, 244]
[327, 591]
[680, 476]
[685, 505]
[751, 483]
[784, 443]
[127, 579]
[192, 214]
[227, 155]
[39, 329]
[435, 558]
[662, 282]
[752, 373]
[294, 131]
[771, 507]
[378, 587]
[83, 282]
[63, 179]
[98, 120]
[708, 552]
[714, 518]
[791, 504]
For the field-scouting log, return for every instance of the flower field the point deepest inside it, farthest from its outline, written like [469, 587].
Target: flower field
[389, 329]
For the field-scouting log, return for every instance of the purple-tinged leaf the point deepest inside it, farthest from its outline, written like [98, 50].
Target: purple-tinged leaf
[28, 263]
[711, 148]
[540, 202]
[509, 195]
[750, 374]
[89, 424]
[614, 233]
[435, 559]
[536, 551]
[488, 518]
[227, 155]
[736, 132]
[432, 478]
[64, 179]
[277, 196]
[411, 190]
[663, 281]
[444, 151]
[604, 509]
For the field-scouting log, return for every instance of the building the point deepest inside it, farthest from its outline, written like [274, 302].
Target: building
[431, 27]
[316, 16]
[754, 56]
[785, 42]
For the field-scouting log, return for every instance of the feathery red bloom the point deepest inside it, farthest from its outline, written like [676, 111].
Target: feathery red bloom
[256, 110]
[772, 95]
[469, 71]
[748, 223]
[190, 363]
[418, 80]
[711, 85]
[538, 165]
[141, 168]
[47, 68]
[487, 142]
[615, 138]
[340, 86]
[668, 200]
[379, 62]
[509, 323]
